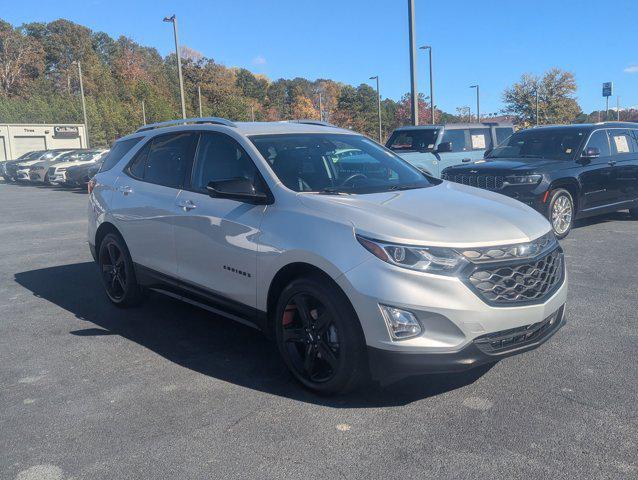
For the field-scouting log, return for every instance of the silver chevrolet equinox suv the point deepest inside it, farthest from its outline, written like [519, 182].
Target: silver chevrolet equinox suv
[357, 264]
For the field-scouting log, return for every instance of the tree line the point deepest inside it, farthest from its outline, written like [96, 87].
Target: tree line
[39, 84]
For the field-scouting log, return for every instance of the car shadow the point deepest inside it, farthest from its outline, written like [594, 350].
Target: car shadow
[619, 216]
[210, 344]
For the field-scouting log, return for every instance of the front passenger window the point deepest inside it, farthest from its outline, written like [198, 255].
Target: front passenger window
[219, 157]
[457, 138]
[599, 140]
[622, 142]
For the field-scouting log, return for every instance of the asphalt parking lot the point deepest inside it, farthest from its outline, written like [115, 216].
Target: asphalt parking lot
[171, 391]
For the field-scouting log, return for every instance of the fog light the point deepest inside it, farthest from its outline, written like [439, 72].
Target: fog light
[401, 323]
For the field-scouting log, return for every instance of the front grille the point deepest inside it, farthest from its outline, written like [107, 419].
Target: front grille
[507, 284]
[507, 340]
[486, 182]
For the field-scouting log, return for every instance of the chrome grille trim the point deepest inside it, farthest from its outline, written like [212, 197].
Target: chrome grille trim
[486, 182]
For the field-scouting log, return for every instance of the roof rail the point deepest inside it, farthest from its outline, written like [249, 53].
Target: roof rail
[187, 121]
[311, 122]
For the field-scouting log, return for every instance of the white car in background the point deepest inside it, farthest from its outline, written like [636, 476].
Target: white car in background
[57, 172]
[24, 168]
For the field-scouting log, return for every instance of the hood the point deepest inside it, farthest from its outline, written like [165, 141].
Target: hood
[448, 214]
[28, 163]
[73, 164]
[504, 165]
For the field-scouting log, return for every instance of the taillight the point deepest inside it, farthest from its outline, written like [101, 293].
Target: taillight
[91, 185]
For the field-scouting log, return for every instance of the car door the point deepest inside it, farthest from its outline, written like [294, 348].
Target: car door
[624, 148]
[217, 238]
[145, 196]
[467, 145]
[597, 174]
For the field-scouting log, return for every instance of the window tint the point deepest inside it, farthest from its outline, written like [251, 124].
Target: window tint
[219, 157]
[480, 138]
[136, 167]
[118, 150]
[503, 133]
[457, 138]
[413, 140]
[622, 142]
[169, 159]
[599, 140]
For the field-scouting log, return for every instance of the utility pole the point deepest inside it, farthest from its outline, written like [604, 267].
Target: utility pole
[173, 19]
[617, 108]
[252, 112]
[86, 123]
[429, 49]
[199, 99]
[536, 116]
[376, 77]
[320, 107]
[478, 104]
[606, 109]
[143, 113]
[414, 98]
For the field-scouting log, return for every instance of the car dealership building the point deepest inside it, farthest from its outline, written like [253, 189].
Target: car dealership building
[17, 139]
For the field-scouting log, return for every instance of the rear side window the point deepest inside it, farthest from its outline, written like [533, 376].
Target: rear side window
[622, 142]
[413, 140]
[480, 138]
[503, 133]
[457, 138]
[599, 140]
[165, 160]
[118, 150]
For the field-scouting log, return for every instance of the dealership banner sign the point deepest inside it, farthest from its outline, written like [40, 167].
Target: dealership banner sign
[65, 131]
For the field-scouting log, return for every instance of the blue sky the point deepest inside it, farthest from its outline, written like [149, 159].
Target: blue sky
[486, 42]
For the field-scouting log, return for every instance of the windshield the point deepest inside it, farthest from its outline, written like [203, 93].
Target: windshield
[68, 157]
[552, 143]
[336, 163]
[418, 140]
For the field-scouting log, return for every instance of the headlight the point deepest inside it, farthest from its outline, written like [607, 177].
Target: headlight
[523, 180]
[442, 261]
[511, 252]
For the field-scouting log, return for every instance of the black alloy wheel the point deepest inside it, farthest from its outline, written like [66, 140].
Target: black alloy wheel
[116, 269]
[319, 336]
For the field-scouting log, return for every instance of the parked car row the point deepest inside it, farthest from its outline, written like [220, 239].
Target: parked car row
[68, 167]
[565, 172]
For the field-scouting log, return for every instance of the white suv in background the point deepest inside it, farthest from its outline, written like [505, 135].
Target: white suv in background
[355, 264]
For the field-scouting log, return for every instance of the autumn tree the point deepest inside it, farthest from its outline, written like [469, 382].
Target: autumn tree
[556, 98]
[21, 59]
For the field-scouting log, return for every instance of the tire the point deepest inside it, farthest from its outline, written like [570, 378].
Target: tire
[117, 272]
[319, 336]
[561, 212]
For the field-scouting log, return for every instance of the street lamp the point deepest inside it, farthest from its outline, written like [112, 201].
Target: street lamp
[429, 49]
[173, 19]
[376, 77]
[414, 98]
[86, 123]
[478, 104]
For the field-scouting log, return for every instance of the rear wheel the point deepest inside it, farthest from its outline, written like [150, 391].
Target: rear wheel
[319, 336]
[561, 212]
[117, 272]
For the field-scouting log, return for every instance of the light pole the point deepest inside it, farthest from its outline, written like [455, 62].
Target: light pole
[86, 123]
[320, 105]
[143, 112]
[376, 77]
[536, 116]
[478, 104]
[199, 99]
[173, 19]
[414, 99]
[617, 108]
[429, 49]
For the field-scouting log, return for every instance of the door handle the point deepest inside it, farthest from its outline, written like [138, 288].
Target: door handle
[186, 205]
[612, 162]
[465, 160]
[125, 189]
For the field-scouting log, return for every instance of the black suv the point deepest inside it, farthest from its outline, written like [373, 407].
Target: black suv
[565, 172]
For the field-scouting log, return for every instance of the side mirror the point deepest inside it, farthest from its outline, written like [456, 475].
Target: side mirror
[444, 147]
[590, 152]
[239, 188]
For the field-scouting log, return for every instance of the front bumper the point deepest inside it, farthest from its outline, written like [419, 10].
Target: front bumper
[391, 365]
[23, 175]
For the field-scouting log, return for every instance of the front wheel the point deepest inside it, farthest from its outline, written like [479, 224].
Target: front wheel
[561, 212]
[319, 336]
